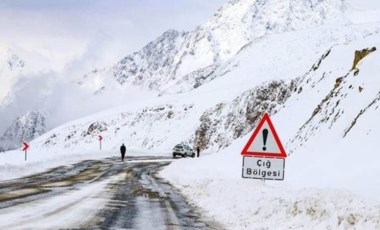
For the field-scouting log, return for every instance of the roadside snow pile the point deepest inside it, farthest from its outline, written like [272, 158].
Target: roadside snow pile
[250, 205]
[311, 197]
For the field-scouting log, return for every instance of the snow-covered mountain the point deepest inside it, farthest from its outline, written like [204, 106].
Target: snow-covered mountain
[10, 61]
[10, 66]
[182, 61]
[178, 62]
[26, 127]
[225, 109]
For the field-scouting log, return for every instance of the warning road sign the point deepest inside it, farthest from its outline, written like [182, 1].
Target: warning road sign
[26, 146]
[264, 141]
[25, 149]
[263, 168]
[100, 141]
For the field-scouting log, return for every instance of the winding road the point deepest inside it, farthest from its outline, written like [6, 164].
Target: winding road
[99, 194]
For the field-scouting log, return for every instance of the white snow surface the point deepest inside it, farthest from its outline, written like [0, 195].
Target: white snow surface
[67, 210]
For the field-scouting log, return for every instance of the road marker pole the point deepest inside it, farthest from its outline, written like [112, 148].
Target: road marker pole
[25, 149]
[100, 141]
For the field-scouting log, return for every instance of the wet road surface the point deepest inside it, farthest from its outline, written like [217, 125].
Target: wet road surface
[99, 194]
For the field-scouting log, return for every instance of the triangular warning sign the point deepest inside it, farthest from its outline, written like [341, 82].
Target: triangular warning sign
[264, 141]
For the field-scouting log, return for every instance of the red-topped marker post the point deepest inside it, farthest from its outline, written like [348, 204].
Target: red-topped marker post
[264, 155]
[25, 148]
[100, 141]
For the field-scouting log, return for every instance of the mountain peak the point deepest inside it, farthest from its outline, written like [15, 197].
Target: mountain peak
[240, 21]
[178, 62]
[173, 57]
[10, 60]
[25, 127]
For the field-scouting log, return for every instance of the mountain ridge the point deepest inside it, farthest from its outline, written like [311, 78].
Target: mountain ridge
[175, 57]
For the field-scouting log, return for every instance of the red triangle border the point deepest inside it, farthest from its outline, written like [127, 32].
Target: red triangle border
[264, 119]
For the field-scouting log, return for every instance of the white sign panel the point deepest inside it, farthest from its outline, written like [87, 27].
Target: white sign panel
[263, 168]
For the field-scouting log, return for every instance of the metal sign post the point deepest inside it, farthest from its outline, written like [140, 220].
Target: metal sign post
[25, 149]
[100, 141]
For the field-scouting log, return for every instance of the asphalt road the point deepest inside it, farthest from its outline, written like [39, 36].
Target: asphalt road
[99, 194]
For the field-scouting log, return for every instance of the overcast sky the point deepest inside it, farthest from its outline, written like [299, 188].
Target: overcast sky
[62, 29]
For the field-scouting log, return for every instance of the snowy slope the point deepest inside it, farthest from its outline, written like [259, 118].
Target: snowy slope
[330, 129]
[148, 124]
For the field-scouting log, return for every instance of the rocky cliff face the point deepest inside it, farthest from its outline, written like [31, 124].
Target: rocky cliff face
[343, 96]
[25, 128]
[225, 122]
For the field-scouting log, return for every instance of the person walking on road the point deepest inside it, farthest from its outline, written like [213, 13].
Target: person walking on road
[122, 151]
[198, 150]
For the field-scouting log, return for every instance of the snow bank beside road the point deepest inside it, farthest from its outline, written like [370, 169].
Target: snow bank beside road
[214, 183]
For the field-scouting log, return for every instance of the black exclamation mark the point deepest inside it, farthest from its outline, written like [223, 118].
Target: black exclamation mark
[265, 135]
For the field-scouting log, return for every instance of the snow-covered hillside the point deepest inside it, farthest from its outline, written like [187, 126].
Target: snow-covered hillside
[330, 129]
[214, 115]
